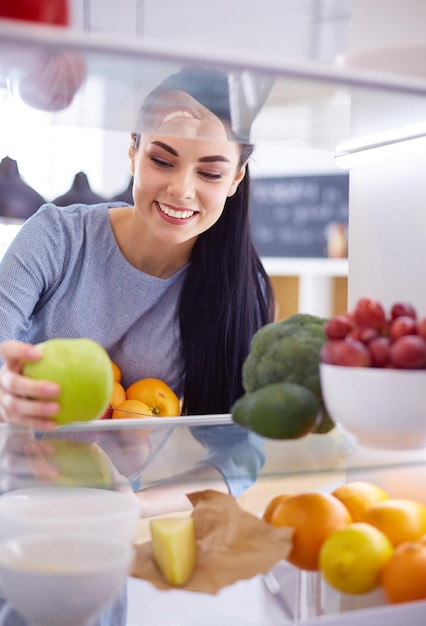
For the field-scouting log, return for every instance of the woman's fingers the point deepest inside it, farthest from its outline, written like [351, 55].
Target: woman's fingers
[32, 413]
[38, 459]
[16, 353]
[15, 471]
[15, 384]
[22, 399]
[19, 403]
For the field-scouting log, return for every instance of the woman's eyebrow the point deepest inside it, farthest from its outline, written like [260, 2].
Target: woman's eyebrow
[206, 159]
[166, 147]
[214, 157]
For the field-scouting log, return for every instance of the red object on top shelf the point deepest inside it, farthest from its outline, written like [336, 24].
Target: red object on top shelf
[45, 11]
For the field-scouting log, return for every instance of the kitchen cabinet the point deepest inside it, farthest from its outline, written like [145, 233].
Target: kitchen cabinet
[321, 100]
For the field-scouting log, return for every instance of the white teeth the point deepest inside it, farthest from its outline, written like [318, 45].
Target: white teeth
[179, 214]
[174, 114]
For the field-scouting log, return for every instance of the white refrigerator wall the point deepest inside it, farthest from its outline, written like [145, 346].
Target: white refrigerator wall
[387, 233]
[387, 202]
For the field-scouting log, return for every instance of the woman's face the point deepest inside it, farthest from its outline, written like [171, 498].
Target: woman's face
[184, 169]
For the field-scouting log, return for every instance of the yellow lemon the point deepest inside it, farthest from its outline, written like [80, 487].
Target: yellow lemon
[352, 558]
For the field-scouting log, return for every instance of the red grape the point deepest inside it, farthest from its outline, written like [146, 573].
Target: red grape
[363, 333]
[403, 325]
[369, 312]
[345, 352]
[366, 337]
[354, 354]
[379, 349]
[338, 327]
[329, 352]
[409, 352]
[350, 315]
[400, 309]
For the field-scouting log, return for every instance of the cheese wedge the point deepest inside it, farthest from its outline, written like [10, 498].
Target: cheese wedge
[174, 548]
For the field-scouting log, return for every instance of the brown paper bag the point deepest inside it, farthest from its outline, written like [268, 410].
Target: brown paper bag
[232, 545]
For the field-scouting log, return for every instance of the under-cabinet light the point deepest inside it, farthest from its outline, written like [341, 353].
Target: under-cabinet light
[399, 143]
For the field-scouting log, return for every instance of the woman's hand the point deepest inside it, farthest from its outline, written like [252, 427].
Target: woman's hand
[23, 400]
[15, 469]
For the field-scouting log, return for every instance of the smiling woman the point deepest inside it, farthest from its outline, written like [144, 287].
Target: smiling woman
[180, 289]
[180, 182]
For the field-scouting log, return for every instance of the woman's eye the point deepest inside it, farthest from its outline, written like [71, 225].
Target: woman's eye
[160, 162]
[211, 175]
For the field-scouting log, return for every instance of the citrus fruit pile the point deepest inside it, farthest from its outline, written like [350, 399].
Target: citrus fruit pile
[358, 537]
[148, 397]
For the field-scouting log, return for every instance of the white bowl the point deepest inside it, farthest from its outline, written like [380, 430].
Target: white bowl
[70, 575]
[381, 407]
[98, 512]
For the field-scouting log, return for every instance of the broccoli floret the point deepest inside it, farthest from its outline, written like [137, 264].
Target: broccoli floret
[286, 351]
[303, 319]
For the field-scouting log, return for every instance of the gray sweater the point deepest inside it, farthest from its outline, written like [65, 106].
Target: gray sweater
[65, 276]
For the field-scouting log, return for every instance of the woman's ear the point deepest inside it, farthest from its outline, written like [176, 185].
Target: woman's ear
[237, 179]
[132, 151]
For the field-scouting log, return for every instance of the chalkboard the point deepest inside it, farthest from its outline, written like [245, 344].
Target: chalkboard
[294, 216]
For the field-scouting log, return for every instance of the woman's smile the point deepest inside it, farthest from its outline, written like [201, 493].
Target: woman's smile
[178, 113]
[183, 182]
[175, 213]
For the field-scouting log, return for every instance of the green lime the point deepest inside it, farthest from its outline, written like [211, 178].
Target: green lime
[324, 423]
[277, 411]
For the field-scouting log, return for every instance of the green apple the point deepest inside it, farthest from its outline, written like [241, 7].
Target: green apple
[78, 463]
[83, 370]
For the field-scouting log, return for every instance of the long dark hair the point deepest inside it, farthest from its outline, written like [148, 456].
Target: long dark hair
[226, 295]
[225, 298]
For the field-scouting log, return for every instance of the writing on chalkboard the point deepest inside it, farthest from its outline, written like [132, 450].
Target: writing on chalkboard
[298, 216]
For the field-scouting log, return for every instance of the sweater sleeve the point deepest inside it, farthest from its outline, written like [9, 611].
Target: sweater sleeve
[235, 452]
[30, 268]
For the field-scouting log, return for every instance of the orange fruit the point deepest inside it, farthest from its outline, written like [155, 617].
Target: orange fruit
[272, 505]
[116, 372]
[118, 394]
[154, 392]
[401, 520]
[131, 408]
[359, 496]
[352, 558]
[404, 576]
[313, 517]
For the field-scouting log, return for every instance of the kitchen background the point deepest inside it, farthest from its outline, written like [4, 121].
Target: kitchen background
[300, 184]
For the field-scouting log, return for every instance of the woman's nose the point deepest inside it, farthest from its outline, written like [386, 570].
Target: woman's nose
[181, 186]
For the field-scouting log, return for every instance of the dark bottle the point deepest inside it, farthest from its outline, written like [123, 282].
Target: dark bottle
[18, 200]
[79, 193]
